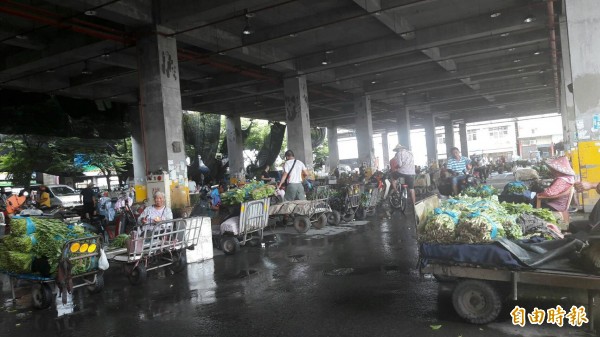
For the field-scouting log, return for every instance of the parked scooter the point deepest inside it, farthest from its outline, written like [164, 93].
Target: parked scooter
[445, 185]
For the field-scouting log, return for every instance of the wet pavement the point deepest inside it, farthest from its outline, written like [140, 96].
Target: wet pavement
[357, 279]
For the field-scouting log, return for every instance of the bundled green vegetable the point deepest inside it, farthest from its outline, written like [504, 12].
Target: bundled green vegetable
[251, 191]
[476, 228]
[22, 243]
[120, 241]
[482, 191]
[36, 238]
[439, 227]
[516, 188]
[541, 213]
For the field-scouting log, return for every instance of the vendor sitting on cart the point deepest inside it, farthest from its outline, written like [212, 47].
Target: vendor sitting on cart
[293, 170]
[157, 212]
[564, 179]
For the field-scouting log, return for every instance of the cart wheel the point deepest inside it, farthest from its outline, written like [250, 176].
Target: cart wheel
[347, 217]
[321, 221]
[334, 217]
[98, 284]
[41, 295]
[477, 302]
[230, 245]
[360, 213]
[179, 261]
[301, 223]
[138, 274]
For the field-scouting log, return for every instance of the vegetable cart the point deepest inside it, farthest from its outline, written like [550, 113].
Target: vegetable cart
[157, 245]
[347, 202]
[307, 213]
[480, 288]
[373, 195]
[79, 259]
[322, 194]
[239, 230]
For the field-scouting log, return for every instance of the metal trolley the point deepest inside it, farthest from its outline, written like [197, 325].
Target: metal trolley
[84, 251]
[306, 213]
[157, 245]
[347, 202]
[254, 216]
[373, 198]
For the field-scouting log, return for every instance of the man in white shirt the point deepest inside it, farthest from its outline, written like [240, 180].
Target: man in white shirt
[293, 170]
[405, 169]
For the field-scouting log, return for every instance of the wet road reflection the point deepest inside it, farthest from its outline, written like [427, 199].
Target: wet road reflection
[355, 282]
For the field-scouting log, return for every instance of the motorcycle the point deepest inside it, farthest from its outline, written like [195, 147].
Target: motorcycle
[469, 180]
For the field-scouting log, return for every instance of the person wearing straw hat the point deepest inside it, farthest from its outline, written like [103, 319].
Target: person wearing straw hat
[564, 179]
[404, 168]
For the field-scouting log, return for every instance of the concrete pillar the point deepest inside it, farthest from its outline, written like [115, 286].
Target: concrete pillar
[584, 47]
[567, 107]
[364, 130]
[430, 138]
[386, 149]
[297, 118]
[235, 145]
[332, 141]
[449, 135]
[161, 114]
[403, 122]
[139, 157]
[462, 132]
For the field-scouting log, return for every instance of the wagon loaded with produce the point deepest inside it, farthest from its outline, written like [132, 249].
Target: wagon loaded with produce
[485, 251]
[303, 214]
[348, 201]
[47, 252]
[243, 216]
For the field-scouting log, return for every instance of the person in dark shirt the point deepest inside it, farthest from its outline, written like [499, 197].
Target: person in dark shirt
[266, 177]
[89, 201]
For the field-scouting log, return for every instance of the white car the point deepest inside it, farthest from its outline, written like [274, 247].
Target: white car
[61, 195]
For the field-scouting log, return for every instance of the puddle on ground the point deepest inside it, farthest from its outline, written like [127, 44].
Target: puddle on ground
[242, 274]
[363, 270]
[297, 258]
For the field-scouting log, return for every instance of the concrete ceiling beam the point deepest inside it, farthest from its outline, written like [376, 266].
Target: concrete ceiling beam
[31, 65]
[135, 13]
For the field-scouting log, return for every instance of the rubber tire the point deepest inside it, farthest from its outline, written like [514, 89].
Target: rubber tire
[321, 221]
[301, 224]
[41, 295]
[360, 214]
[334, 218]
[403, 200]
[138, 274]
[477, 302]
[348, 217]
[98, 285]
[179, 261]
[230, 245]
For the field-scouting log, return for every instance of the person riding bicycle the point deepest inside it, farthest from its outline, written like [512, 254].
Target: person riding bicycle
[403, 166]
[458, 166]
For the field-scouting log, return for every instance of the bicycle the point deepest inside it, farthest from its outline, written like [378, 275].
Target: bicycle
[398, 198]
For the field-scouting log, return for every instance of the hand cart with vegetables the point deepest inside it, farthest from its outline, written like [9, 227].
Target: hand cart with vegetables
[347, 201]
[249, 225]
[371, 199]
[484, 273]
[46, 252]
[306, 213]
[322, 194]
[156, 245]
